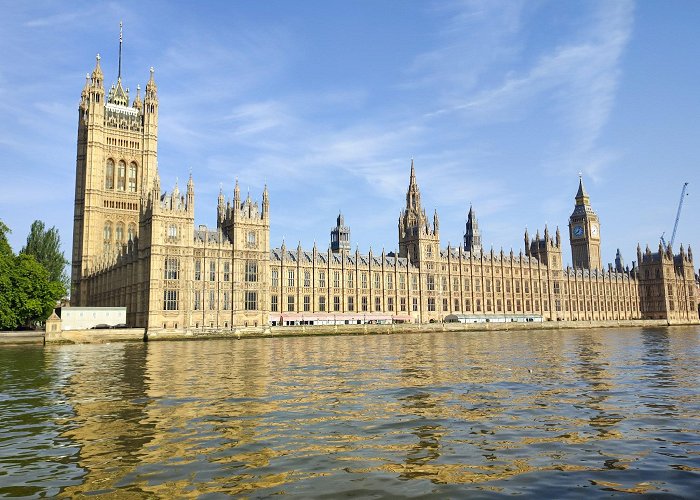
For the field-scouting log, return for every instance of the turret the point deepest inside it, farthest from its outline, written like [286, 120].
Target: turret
[190, 194]
[619, 262]
[236, 196]
[266, 203]
[472, 235]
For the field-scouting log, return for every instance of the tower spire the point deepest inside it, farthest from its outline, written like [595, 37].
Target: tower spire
[119, 72]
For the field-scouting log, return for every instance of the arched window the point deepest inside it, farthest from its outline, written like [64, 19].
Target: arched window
[132, 232]
[107, 233]
[109, 174]
[132, 177]
[121, 176]
[119, 233]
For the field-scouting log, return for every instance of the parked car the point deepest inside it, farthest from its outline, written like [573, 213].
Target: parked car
[101, 326]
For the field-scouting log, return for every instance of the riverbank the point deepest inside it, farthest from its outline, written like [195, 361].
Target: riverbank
[140, 334]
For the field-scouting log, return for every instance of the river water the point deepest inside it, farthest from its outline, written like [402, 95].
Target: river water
[548, 414]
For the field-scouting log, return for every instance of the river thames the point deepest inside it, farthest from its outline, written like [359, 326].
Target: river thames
[548, 414]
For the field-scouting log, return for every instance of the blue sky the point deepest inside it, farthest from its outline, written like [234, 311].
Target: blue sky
[501, 104]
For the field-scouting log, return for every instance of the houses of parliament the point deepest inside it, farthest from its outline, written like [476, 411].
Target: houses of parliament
[136, 246]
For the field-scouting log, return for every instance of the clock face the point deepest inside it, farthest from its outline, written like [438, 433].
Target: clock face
[578, 231]
[594, 230]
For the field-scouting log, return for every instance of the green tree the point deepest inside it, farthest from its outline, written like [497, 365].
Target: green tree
[8, 318]
[27, 292]
[45, 246]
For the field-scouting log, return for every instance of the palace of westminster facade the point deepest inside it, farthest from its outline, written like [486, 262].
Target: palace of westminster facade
[138, 247]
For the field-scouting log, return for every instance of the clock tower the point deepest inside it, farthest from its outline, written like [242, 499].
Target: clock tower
[584, 232]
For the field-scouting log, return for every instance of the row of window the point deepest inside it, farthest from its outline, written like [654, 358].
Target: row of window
[250, 274]
[117, 177]
[118, 232]
[537, 287]
[250, 301]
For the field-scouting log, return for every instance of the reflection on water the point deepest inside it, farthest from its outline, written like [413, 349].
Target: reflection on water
[534, 413]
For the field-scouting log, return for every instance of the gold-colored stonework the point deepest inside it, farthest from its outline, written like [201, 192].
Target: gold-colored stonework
[138, 247]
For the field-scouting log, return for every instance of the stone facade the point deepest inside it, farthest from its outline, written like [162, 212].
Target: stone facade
[138, 247]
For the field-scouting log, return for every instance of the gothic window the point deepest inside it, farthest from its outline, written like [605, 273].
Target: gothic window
[275, 277]
[273, 303]
[226, 301]
[251, 301]
[377, 280]
[478, 305]
[498, 285]
[212, 300]
[466, 285]
[431, 282]
[251, 239]
[322, 279]
[212, 271]
[290, 303]
[172, 231]
[364, 280]
[307, 303]
[364, 303]
[507, 286]
[251, 271]
[131, 232]
[456, 305]
[429, 251]
[109, 174]
[227, 271]
[351, 304]
[444, 284]
[350, 279]
[403, 304]
[132, 177]
[488, 305]
[390, 282]
[390, 303]
[197, 301]
[336, 279]
[415, 304]
[414, 283]
[377, 304]
[172, 268]
[107, 233]
[445, 305]
[197, 270]
[170, 300]
[121, 176]
[290, 279]
[488, 285]
[119, 233]
[431, 303]
[455, 285]
[336, 303]
[402, 282]
[499, 305]
[307, 279]
[322, 304]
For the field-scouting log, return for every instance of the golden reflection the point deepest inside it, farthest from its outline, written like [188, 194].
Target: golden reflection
[266, 416]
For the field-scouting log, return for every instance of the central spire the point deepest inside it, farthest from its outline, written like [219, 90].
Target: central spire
[119, 72]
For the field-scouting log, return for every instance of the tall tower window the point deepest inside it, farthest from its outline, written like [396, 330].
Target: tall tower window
[109, 174]
[121, 176]
[132, 232]
[119, 233]
[251, 271]
[107, 233]
[132, 177]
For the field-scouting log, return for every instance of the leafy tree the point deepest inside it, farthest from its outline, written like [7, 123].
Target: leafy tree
[27, 292]
[45, 246]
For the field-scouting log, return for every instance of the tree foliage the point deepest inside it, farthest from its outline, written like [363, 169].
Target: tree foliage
[27, 292]
[45, 246]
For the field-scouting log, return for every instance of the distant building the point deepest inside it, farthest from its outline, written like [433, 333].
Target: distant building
[137, 247]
